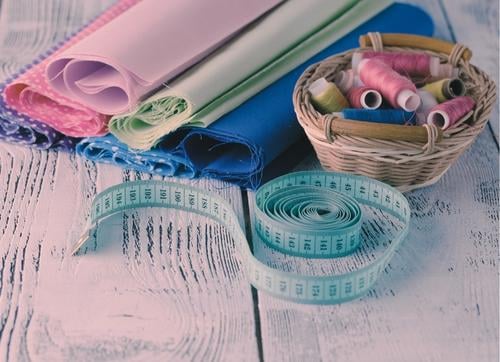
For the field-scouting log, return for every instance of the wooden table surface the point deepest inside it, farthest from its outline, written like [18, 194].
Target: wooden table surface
[169, 286]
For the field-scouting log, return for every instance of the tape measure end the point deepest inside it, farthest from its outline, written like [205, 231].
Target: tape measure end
[83, 239]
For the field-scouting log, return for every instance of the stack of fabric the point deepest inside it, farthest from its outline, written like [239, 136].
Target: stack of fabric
[138, 88]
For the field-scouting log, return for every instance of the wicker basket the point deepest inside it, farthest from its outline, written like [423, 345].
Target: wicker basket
[401, 163]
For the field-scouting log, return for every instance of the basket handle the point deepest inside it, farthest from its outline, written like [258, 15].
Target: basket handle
[389, 132]
[455, 51]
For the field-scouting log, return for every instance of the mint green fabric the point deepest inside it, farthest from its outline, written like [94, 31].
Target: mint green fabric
[287, 37]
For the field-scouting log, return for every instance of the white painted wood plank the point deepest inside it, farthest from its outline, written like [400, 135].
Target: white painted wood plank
[438, 300]
[161, 285]
[475, 24]
[111, 297]
[30, 27]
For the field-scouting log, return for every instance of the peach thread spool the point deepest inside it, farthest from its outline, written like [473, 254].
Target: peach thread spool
[364, 97]
[447, 114]
[326, 97]
[398, 90]
[346, 80]
[445, 89]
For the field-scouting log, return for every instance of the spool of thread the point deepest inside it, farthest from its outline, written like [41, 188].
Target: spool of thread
[364, 97]
[397, 89]
[326, 97]
[389, 116]
[346, 80]
[408, 64]
[448, 113]
[446, 89]
[427, 102]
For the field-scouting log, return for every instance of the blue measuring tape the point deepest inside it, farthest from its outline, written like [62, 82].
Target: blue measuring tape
[305, 214]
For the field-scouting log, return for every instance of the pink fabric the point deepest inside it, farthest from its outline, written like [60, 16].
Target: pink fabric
[31, 94]
[114, 68]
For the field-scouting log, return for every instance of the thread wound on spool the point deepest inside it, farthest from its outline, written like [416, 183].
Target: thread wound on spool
[447, 114]
[389, 116]
[326, 97]
[438, 70]
[398, 90]
[428, 101]
[409, 64]
[445, 89]
[405, 63]
[346, 80]
[364, 97]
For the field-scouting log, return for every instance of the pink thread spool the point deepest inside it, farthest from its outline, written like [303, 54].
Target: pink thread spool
[409, 64]
[427, 102]
[346, 80]
[364, 97]
[397, 89]
[446, 114]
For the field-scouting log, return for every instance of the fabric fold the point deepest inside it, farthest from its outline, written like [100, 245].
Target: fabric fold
[242, 143]
[110, 70]
[30, 93]
[263, 53]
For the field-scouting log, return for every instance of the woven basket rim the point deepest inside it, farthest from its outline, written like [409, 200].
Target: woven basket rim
[482, 90]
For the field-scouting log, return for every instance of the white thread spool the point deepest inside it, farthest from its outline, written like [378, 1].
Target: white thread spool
[440, 71]
[428, 101]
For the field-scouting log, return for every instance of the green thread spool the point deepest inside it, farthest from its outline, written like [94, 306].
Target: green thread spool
[445, 89]
[326, 97]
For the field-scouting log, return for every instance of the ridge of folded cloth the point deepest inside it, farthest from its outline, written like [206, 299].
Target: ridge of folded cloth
[254, 59]
[20, 129]
[30, 93]
[113, 68]
[239, 145]
[107, 149]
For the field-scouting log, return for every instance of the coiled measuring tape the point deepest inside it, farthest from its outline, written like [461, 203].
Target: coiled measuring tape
[305, 214]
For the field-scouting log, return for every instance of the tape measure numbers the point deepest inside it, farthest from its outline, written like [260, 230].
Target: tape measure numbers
[312, 214]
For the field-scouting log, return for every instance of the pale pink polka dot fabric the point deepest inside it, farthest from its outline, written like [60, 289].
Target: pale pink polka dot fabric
[30, 94]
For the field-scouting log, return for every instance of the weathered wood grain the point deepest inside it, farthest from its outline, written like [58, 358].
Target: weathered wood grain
[30, 27]
[475, 24]
[162, 285]
[438, 300]
[169, 286]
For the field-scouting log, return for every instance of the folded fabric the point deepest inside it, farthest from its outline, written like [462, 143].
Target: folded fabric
[14, 126]
[263, 53]
[23, 130]
[110, 70]
[238, 146]
[108, 150]
[31, 94]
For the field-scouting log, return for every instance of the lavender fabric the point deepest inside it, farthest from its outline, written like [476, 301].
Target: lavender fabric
[146, 47]
[239, 146]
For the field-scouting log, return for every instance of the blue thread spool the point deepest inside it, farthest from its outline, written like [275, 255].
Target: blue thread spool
[390, 116]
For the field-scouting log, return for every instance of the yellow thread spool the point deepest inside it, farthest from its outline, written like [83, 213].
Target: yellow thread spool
[445, 89]
[326, 97]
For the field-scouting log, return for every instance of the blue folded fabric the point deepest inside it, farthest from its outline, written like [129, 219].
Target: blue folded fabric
[238, 146]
